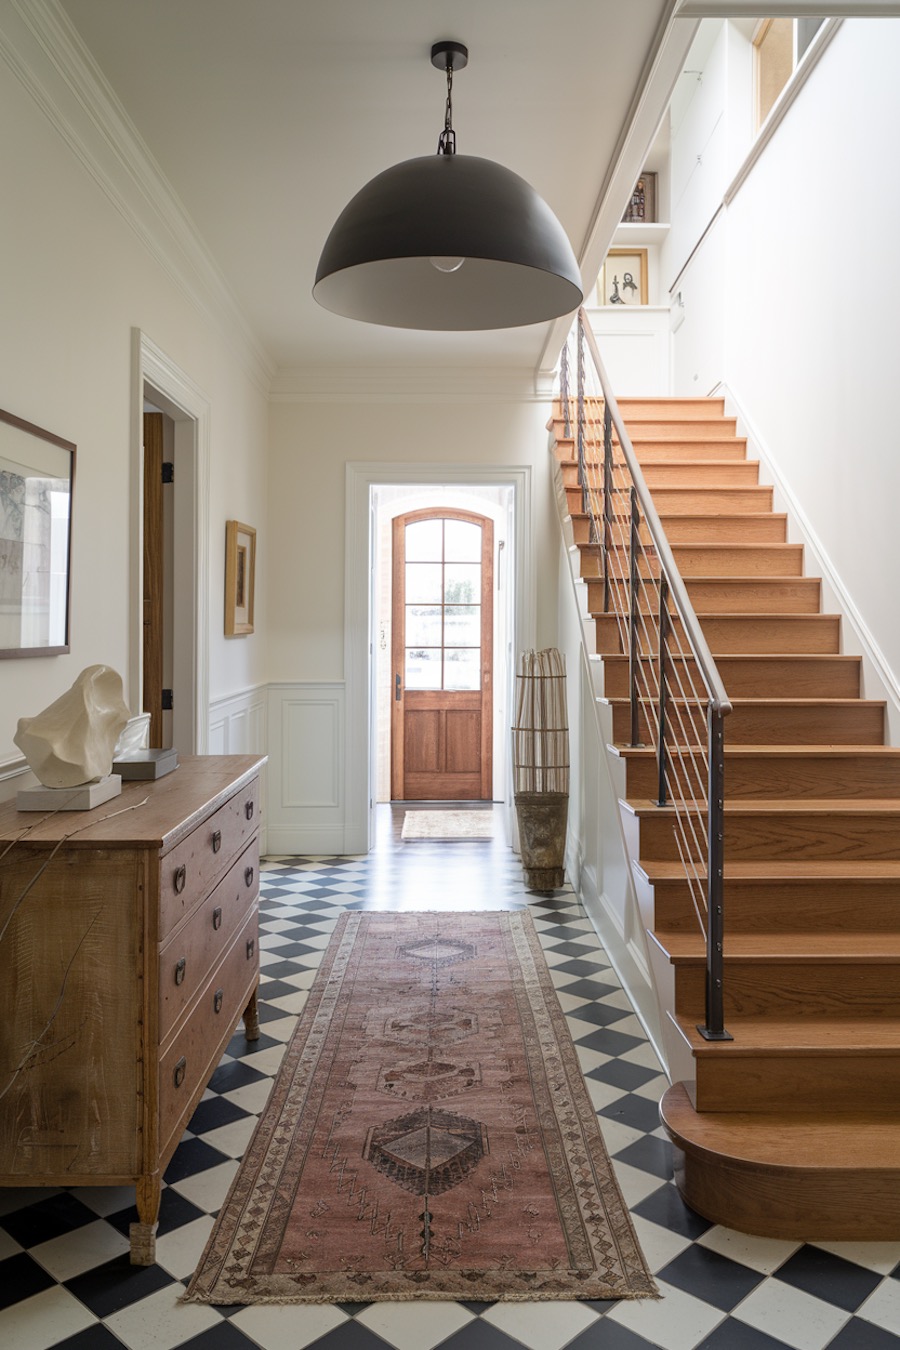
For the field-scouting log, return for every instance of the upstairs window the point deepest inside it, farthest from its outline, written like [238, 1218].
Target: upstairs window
[779, 47]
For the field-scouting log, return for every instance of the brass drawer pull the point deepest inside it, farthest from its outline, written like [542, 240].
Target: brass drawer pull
[217, 917]
[179, 1072]
[216, 841]
[248, 810]
[180, 880]
[180, 967]
[248, 876]
[251, 947]
[217, 1000]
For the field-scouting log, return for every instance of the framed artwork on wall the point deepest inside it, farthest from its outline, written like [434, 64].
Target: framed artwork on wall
[240, 578]
[37, 470]
[623, 277]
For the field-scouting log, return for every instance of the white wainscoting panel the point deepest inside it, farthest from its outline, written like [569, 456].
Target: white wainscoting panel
[307, 789]
[238, 725]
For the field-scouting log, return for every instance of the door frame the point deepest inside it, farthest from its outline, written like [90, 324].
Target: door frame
[359, 607]
[155, 376]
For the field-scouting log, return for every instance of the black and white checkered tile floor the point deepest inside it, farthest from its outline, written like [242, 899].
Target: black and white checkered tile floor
[65, 1278]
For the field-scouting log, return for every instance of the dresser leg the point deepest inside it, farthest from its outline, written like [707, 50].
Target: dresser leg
[143, 1234]
[251, 1018]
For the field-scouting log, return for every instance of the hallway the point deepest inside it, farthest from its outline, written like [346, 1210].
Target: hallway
[65, 1279]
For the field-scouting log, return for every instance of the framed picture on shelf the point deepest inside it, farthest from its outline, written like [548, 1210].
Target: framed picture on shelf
[623, 277]
[240, 578]
[642, 206]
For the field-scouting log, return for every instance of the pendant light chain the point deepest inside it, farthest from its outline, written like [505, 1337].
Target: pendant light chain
[447, 138]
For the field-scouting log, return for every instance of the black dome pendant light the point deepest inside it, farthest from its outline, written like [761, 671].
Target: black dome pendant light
[448, 242]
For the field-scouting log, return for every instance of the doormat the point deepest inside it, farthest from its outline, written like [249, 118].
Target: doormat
[447, 825]
[429, 1135]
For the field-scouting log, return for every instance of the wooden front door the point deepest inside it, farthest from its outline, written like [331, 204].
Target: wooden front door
[442, 650]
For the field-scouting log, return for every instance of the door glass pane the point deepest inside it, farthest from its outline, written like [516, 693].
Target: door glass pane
[462, 625]
[423, 583]
[462, 541]
[462, 584]
[462, 668]
[423, 625]
[423, 541]
[423, 667]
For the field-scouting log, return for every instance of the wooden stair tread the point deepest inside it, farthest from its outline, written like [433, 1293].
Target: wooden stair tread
[840, 948]
[743, 701]
[766, 872]
[775, 806]
[810, 750]
[794, 1037]
[796, 1142]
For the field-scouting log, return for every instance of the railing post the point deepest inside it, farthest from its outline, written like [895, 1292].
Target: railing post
[585, 491]
[607, 503]
[564, 392]
[633, 605]
[661, 752]
[714, 1030]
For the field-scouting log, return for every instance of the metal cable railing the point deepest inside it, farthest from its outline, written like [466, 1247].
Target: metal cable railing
[677, 700]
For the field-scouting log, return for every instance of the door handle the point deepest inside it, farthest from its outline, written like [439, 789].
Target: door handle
[397, 688]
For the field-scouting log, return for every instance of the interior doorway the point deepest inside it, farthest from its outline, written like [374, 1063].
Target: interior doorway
[182, 538]
[472, 763]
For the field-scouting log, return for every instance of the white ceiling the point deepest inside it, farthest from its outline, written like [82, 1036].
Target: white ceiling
[266, 116]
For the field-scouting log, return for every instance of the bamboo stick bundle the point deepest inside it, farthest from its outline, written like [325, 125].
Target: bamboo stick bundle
[541, 732]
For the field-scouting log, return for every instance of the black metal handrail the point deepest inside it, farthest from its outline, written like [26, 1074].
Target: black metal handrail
[660, 628]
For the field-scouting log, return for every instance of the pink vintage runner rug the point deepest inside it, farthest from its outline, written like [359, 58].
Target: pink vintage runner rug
[429, 1134]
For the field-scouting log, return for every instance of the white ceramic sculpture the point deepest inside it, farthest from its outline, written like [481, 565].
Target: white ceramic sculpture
[73, 740]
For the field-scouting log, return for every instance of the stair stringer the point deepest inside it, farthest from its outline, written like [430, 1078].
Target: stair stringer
[598, 860]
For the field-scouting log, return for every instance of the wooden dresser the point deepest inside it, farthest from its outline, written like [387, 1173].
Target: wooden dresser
[129, 948]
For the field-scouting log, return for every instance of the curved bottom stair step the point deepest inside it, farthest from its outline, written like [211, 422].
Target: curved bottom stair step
[809, 1177]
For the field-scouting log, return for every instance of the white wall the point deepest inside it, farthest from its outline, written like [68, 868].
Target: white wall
[310, 447]
[76, 279]
[793, 298]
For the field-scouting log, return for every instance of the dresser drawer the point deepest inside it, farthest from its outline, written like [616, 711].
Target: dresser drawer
[189, 1059]
[189, 870]
[190, 954]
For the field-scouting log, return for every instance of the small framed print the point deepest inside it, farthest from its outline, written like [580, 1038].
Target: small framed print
[641, 207]
[240, 578]
[623, 277]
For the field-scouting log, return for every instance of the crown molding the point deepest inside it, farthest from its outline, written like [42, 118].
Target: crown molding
[410, 384]
[42, 48]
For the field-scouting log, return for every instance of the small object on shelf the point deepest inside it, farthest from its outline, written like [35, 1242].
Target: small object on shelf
[642, 207]
[84, 797]
[146, 764]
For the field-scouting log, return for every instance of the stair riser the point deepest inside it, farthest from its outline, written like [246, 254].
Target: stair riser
[778, 560]
[685, 429]
[784, 776]
[652, 409]
[740, 635]
[839, 836]
[763, 595]
[751, 678]
[795, 1083]
[854, 1205]
[787, 906]
[853, 724]
[793, 988]
[669, 473]
[691, 501]
[652, 452]
[761, 528]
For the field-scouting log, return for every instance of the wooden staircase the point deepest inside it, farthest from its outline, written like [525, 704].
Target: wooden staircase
[791, 1129]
